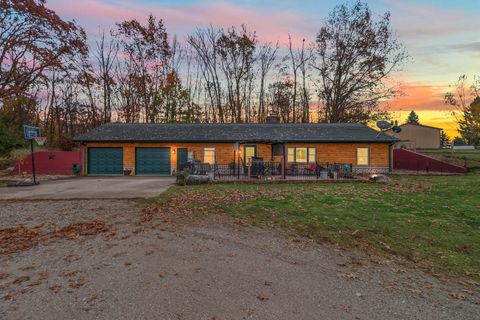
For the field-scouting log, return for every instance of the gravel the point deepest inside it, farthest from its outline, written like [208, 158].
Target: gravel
[209, 269]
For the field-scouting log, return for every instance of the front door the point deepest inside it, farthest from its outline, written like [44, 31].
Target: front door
[249, 151]
[182, 159]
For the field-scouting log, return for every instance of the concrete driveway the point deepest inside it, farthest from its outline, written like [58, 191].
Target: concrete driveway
[91, 188]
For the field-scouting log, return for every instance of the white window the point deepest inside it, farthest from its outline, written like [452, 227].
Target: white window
[209, 155]
[291, 155]
[301, 155]
[362, 156]
[312, 155]
[250, 151]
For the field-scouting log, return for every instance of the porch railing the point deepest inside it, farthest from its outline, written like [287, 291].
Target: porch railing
[316, 171]
[271, 170]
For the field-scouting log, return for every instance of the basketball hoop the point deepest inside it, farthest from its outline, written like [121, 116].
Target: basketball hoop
[40, 140]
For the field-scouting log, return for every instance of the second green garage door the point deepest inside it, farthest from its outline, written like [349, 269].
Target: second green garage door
[152, 161]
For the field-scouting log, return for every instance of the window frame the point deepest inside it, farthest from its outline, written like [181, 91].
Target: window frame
[367, 158]
[210, 149]
[309, 149]
[245, 146]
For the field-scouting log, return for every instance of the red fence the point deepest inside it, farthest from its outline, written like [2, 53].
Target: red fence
[408, 160]
[50, 162]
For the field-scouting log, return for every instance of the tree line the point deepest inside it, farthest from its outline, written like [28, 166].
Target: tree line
[53, 76]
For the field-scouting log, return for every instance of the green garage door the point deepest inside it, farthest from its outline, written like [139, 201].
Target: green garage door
[105, 161]
[153, 161]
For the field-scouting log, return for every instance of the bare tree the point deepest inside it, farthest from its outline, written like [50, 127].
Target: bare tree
[267, 54]
[204, 43]
[106, 56]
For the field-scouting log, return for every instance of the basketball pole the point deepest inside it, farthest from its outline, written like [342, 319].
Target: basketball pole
[33, 162]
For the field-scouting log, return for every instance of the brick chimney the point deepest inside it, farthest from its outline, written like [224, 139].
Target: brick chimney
[273, 118]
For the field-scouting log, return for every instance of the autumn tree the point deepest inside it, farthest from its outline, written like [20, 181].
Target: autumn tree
[356, 51]
[466, 97]
[470, 123]
[282, 100]
[148, 53]
[444, 139]
[33, 39]
[236, 51]
[412, 118]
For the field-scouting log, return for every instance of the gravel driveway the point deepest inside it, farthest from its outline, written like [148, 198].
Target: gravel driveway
[120, 267]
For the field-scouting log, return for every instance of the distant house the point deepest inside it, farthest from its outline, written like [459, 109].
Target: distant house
[165, 148]
[417, 136]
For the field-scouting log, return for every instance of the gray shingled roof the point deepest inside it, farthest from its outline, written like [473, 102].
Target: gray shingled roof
[169, 132]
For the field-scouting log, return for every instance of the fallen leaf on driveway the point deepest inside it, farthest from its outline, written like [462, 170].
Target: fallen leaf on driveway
[347, 308]
[348, 275]
[457, 296]
[162, 274]
[390, 287]
[55, 288]
[415, 290]
[262, 297]
[21, 279]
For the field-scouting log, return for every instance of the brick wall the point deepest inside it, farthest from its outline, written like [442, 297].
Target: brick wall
[326, 152]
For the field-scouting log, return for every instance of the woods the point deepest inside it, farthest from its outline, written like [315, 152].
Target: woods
[54, 77]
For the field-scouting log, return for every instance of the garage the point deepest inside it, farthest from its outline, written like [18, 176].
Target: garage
[105, 161]
[152, 161]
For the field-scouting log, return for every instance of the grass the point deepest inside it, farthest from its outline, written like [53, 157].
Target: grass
[468, 158]
[3, 183]
[433, 221]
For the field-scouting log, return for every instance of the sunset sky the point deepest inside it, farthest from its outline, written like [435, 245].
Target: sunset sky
[441, 36]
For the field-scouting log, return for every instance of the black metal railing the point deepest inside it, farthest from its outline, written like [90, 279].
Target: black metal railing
[324, 171]
[259, 169]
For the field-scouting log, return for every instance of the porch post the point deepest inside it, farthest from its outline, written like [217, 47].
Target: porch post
[283, 162]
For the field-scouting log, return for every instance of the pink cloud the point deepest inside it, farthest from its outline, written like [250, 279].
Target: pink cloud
[271, 26]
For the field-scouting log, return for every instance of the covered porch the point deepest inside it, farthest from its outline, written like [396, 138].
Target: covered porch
[270, 160]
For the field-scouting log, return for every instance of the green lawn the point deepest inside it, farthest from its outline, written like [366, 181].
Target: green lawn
[3, 183]
[467, 158]
[433, 221]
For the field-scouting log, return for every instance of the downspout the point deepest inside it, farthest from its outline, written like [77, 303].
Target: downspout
[390, 157]
[84, 159]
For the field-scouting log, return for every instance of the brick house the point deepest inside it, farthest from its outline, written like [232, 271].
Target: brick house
[163, 149]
